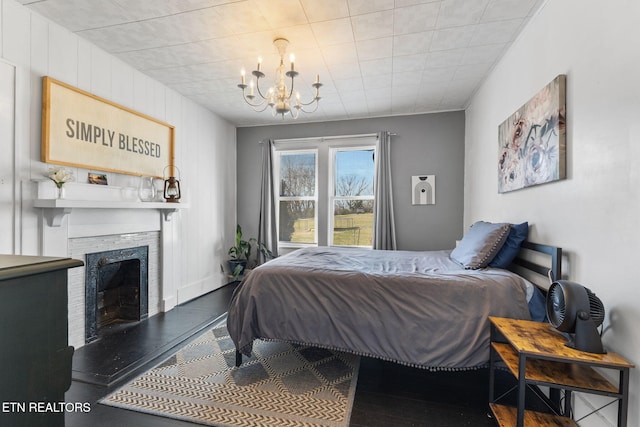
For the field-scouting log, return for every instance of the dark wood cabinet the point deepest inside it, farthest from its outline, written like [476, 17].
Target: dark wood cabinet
[35, 358]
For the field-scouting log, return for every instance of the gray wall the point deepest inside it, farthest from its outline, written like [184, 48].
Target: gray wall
[425, 144]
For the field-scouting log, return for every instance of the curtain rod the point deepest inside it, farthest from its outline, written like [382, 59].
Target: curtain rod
[327, 138]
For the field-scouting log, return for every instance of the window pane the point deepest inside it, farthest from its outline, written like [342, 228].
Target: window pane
[354, 173]
[297, 174]
[297, 221]
[353, 223]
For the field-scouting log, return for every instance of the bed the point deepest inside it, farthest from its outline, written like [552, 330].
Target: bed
[422, 309]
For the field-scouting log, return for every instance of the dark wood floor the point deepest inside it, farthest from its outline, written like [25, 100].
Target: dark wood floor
[387, 394]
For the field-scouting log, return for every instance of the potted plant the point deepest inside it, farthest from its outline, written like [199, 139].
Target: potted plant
[240, 254]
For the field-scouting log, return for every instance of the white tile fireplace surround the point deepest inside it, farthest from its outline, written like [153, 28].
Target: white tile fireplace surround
[80, 247]
[78, 226]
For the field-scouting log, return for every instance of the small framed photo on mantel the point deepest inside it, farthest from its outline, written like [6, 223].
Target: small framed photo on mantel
[97, 178]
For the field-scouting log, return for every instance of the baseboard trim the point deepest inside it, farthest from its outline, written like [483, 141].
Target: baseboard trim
[199, 288]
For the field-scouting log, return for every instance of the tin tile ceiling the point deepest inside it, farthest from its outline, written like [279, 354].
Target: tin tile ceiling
[374, 57]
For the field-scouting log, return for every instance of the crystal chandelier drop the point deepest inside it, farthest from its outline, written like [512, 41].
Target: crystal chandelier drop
[278, 96]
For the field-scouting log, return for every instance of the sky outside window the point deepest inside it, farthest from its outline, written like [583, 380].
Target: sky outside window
[354, 167]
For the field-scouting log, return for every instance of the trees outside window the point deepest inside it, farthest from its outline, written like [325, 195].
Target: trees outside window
[325, 193]
[352, 196]
[297, 196]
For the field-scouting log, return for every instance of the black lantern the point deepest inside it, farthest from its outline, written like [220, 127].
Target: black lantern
[172, 187]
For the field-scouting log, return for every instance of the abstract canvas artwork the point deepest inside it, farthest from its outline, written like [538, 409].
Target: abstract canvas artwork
[423, 190]
[532, 141]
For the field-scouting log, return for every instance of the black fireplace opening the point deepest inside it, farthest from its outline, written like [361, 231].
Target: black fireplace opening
[118, 293]
[116, 289]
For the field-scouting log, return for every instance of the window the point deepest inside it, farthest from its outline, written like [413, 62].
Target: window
[325, 191]
[352, 196]
[297, 196]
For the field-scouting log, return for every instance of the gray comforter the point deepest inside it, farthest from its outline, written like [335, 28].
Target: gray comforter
[417, 308]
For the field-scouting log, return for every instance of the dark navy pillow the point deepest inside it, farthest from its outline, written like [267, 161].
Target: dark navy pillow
[517, 235]
[538, 306]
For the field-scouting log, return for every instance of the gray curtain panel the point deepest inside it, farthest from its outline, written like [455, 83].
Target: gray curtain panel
[267, 231]
[384, 229]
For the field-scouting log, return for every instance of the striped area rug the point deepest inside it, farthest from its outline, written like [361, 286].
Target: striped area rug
[280, 385]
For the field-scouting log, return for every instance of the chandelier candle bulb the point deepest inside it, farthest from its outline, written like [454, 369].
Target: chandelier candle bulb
[278, 97]
[242, 75]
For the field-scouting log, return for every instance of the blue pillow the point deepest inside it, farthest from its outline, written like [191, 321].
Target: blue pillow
[517, 235]
[481, 243]
[538, 306]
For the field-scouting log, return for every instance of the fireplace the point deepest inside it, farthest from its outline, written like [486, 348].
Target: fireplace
[116, 288]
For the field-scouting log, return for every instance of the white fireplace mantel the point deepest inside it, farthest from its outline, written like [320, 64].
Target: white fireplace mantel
[56, 209]
[108, 217]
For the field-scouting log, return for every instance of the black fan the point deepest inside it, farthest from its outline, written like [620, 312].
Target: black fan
[574, 309]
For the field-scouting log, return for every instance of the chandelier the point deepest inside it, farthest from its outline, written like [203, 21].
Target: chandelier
[278, 96]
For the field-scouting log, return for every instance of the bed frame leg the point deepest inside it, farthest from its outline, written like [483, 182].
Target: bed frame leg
[238, 359]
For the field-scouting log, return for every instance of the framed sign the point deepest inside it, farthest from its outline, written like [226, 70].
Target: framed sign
[83, 130]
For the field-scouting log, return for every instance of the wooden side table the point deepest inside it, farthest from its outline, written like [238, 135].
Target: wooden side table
[535, 353]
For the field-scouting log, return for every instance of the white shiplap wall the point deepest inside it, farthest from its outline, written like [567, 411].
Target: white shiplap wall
[205, 145]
